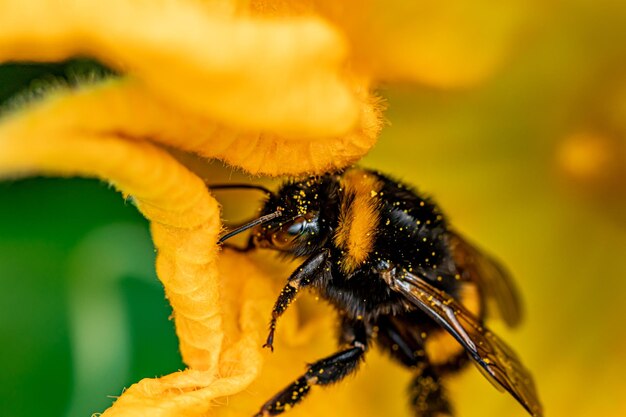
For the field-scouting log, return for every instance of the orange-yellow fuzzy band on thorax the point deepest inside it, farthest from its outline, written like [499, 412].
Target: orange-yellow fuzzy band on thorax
[358, 217]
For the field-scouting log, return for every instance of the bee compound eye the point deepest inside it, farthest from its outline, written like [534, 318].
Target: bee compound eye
[296, 227]
[287, 233]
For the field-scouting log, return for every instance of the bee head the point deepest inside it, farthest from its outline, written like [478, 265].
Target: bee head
[303, 224]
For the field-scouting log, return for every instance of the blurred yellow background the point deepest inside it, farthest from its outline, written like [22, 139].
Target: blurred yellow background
[530, 163]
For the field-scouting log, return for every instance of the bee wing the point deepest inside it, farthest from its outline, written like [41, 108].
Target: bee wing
[490, 276]
[495, 359]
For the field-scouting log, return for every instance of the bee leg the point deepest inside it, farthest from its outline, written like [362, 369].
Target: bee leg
[408, 351]
[427, 391]
[326, 371]
[314, 268]
[428, 395]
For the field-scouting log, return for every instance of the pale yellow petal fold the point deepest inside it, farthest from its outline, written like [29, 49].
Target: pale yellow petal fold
[258, 74]
[219, 341]
[124, 107]
[185, 219]
[192, 392]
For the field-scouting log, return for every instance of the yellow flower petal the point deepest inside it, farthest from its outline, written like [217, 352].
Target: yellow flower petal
[193, 392]
[281, 76]
[185, 219]
[127, 109]
[184, 223]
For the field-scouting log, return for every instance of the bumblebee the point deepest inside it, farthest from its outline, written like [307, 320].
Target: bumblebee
[399, 276]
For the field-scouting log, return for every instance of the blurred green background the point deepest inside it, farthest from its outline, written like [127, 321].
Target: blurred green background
[530, 164]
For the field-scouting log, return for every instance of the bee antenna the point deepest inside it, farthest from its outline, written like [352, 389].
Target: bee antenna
[239, 186]
[255, 222]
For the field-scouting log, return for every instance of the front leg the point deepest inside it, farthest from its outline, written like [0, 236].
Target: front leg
[323, 372]
[315, 268]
